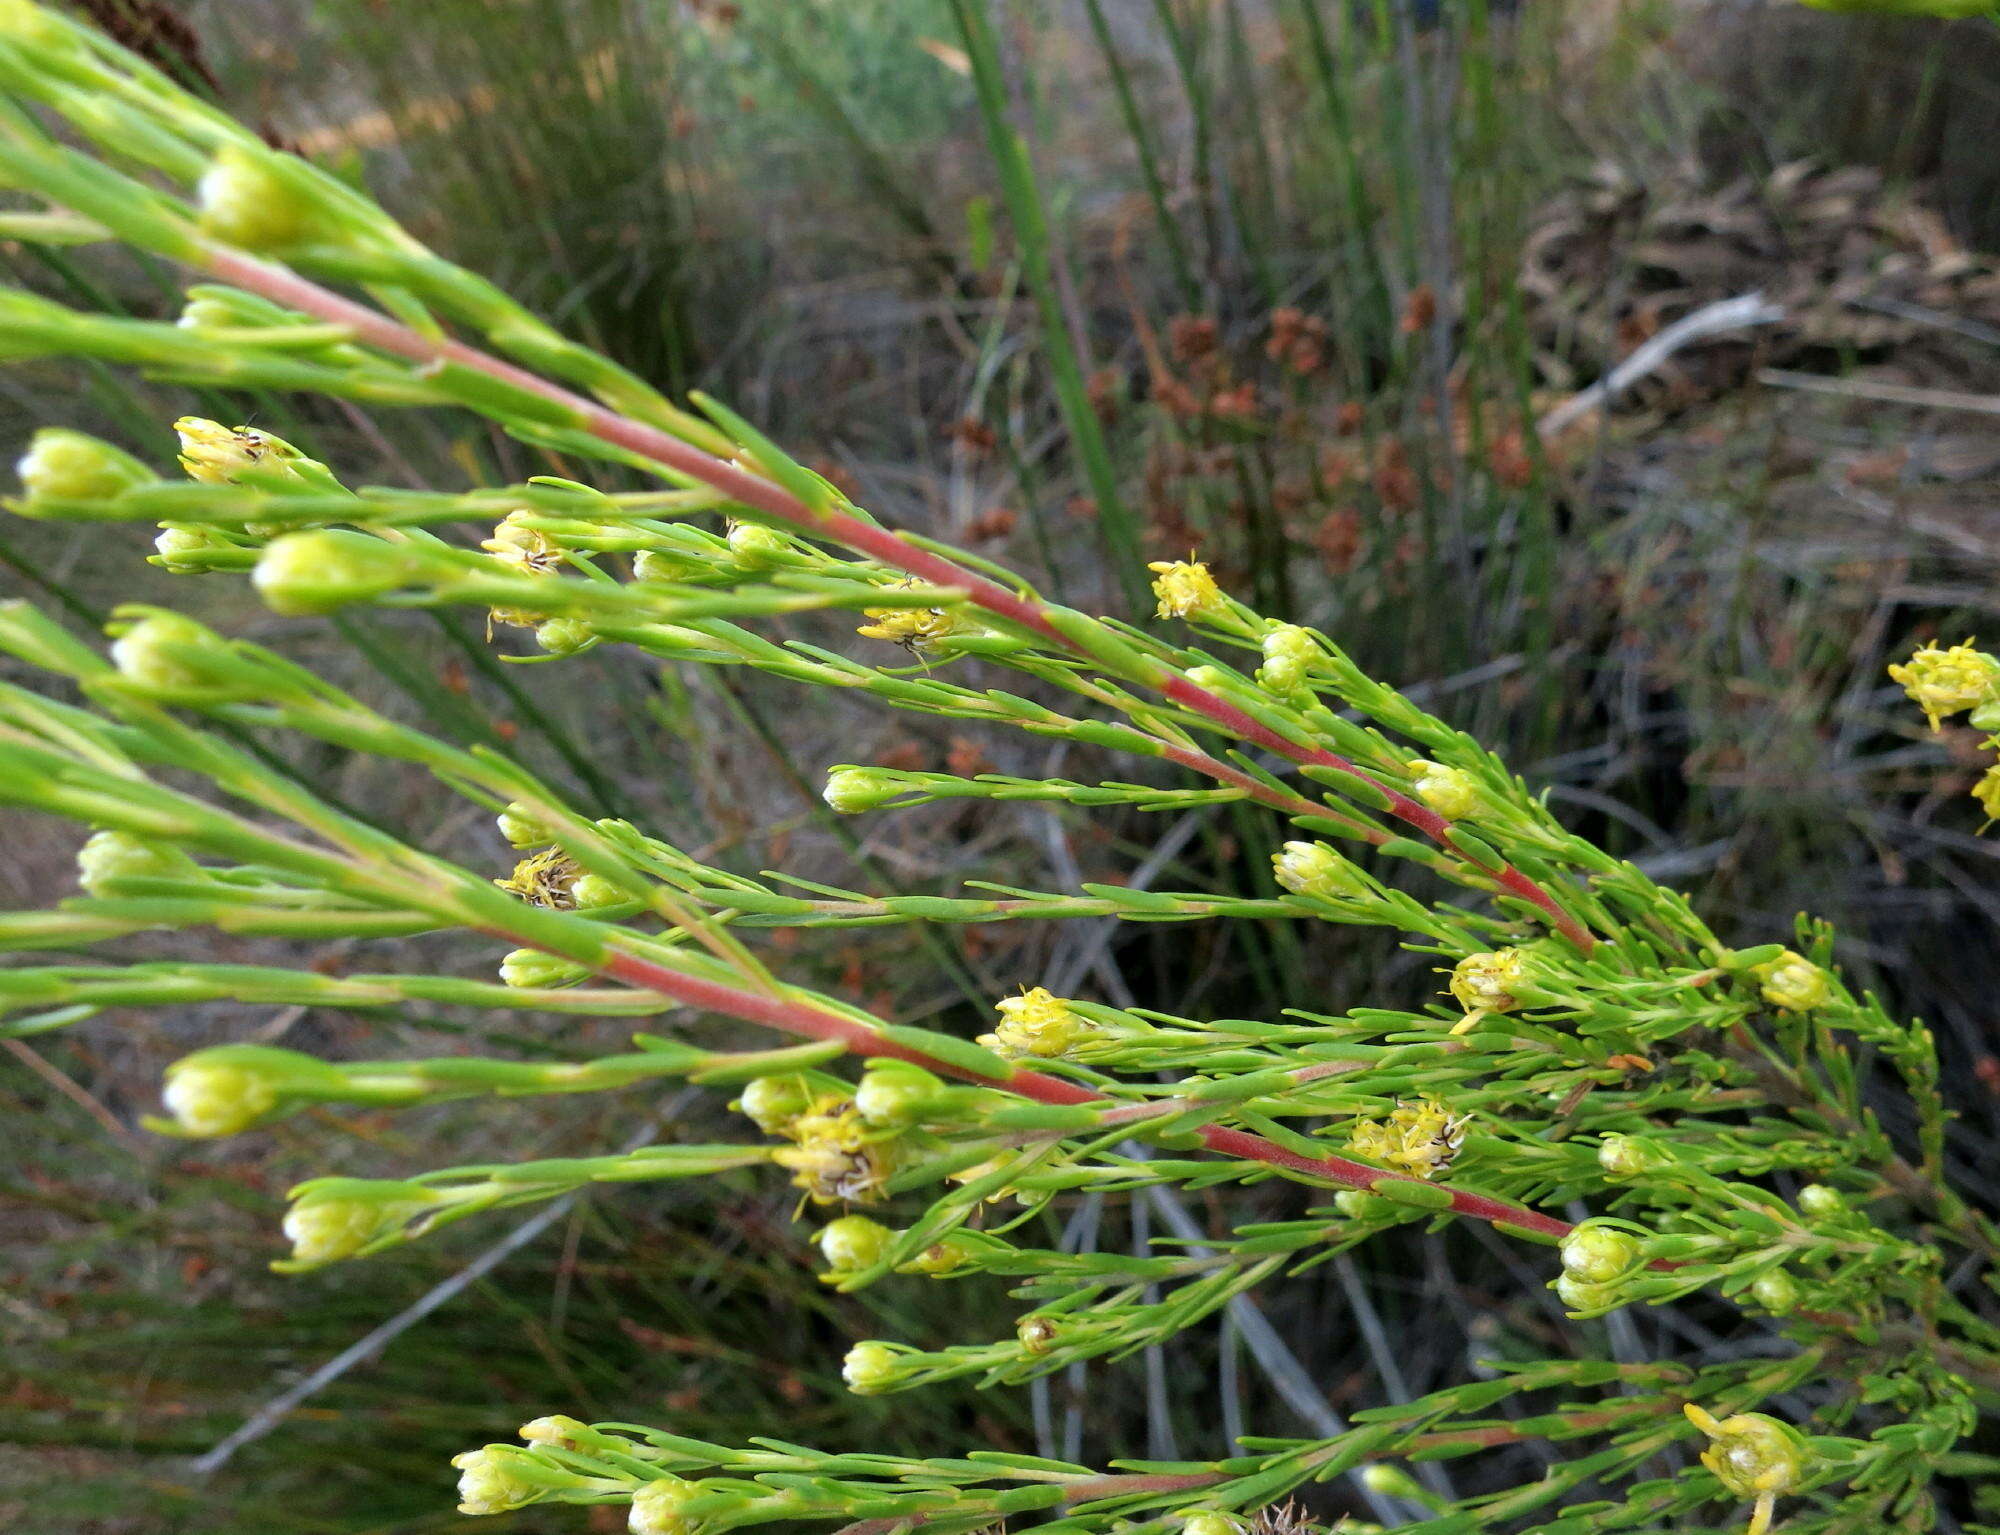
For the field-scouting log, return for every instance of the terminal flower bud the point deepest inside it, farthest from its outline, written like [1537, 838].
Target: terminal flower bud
[163, 653]
[1584, 1297]
[1944, 682]
[896, 1094]
[531, 969]
[657, 1507]
[247, 200]
[1817, 1199]
[111, 856]
[62, 465]
[178, 548]
[1185, 589]
[489, 1481]
[1314, 869]
[1451, 792]
[1208, 1522]
[871, 1367]
[1794, 983]
[852, 1243]
[220, 455]
[1037, 1334]
[774, 1103]
[565, 636]
[1037, 1023]
[334, 1218]
[521, 827]
[757, 547]
[323, 569]
[220, 1092]
[1776, 1291]
[1597, 1254]
[1622, 1156]
[851, 790]
[1289, 653]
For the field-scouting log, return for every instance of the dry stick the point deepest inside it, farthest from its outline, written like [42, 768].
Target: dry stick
[284, 286]
[806, 1021]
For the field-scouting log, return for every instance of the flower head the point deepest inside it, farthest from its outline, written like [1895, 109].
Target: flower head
[836, 1154]
[1753, 1455]
[657, 1507]
[1987, 792]
[217, 454]
[1420, 1138]
[218, 1096]
[1489, 983]
[1794, 983]
[1314, 869]
[914, 629]
[1037, 1023]
[1452, 792]
[1186, 590]
[547, 879]
[1289, 652]
[1943, 682]
[62, 465]
[489, 1481]
[871, 1367]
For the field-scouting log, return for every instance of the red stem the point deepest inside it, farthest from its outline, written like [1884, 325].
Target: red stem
[879, 543]
[809, 1022]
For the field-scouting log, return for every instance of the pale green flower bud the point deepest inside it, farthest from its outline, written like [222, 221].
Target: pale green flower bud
[757, 547]
[1595, 1253]
[489, 1481]
[1358, 1204]
[656, 1507]
[1451, 792]
[1582, 1296]
[1794, 983]
[1214, 678]
[1289, 653]
[327, 568]
[111, 856]
[1391, 1481]
[521, 827]
[871, 1367]
[210, 1096]
[1817, 1200]
[177, 545]
[1776, 1291]
[334, 1218]
[589, 890]
[1314, 869]
[531, 968]
[247, 201]
[656, 565]
[941, 1257]
[561, 1432]
[564, 636]
[1208, 1522]
[1621, 1156]
[163, 651]
[851, 790]
[853, 1243]
[896, 1094]
[1037, 1334]
[62, 465]
[773, 1103]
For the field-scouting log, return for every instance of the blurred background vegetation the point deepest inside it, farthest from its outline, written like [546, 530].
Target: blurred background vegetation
[1072, 283]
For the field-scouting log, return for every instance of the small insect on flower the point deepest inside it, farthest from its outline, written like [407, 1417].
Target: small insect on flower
[546, 879]
[914, 629]
[1421, 1138]
[1944, 682]
[1185, 589]
[1754, 1456]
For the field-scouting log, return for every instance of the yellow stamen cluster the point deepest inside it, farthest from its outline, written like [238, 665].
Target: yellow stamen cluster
[837, 1155]
[1421, 1138]
[1987, 792]
[912, 628]
[1944, 682]
[1185, 589]
[547, 878]
[528, 550]
[1488, 983]
[1037, 1023]
[1794, 983]
[1754, 1456]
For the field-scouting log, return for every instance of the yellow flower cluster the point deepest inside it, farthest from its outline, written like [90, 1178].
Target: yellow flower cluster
[837, 1155]
[1036, 1023]
[216, 454]
[528, 550]
[547, 878]
[1420, 1138]
[1487, 983]
[1754, 1456]
[1952, 680]
[1185, 589]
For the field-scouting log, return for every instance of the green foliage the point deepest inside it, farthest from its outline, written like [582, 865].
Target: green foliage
[1591, 1040]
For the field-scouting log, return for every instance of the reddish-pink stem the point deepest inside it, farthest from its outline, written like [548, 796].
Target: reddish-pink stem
[879, 543]
[809, 1022]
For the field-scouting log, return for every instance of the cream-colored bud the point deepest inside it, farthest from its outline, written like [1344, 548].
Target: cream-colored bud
[323, 569]
[1451, 792]
[1314, 869]
[246, 201]
[756, 547]
[657, 1507]
[853, 1242]
[217, 1097]
[564, 636]
[871, 1368]
[109, 856]
[146, 653]
[1794, 983]
[1597, 1254]
[62, 465]
[774, 1103]
[488, 1482]
[851, 790]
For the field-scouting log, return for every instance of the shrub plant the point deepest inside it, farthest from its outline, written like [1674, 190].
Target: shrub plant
[1713, 1109]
